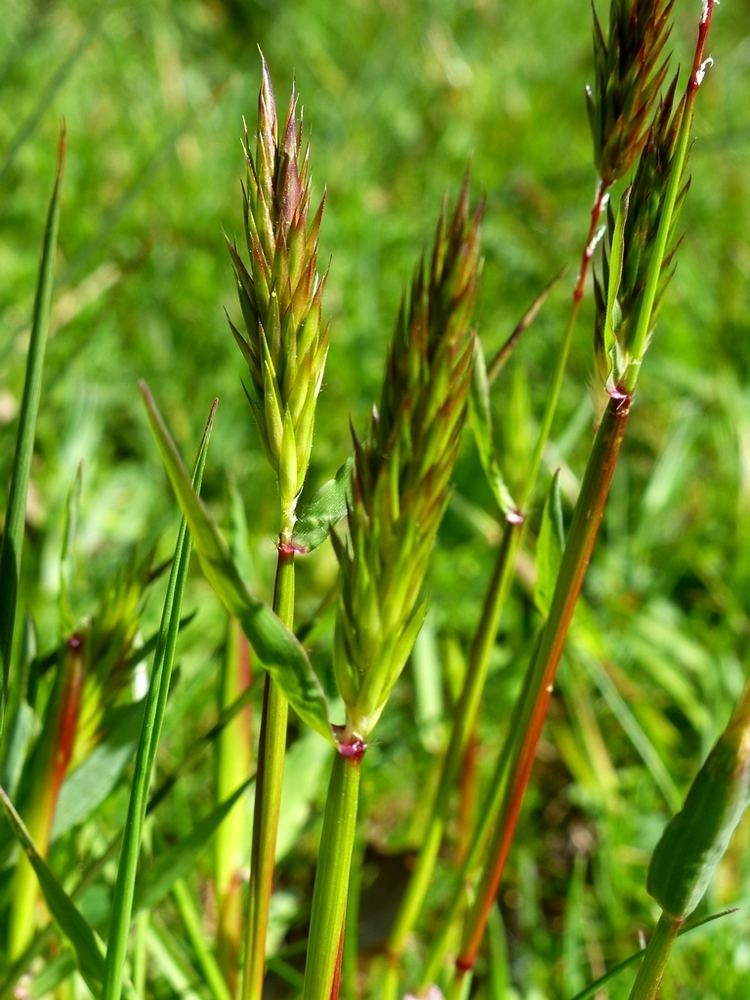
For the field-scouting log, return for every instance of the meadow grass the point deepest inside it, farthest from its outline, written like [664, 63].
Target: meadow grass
[655, 658]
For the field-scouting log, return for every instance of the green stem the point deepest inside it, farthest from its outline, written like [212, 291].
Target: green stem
[651, 972]
[460, 987]
[233, 766]
[521, 751]
[487, 814]
[270, 776]
[350, 956]
[151, 727]
[484, 639]
[332, 875]
[140, 951]
[465, 718]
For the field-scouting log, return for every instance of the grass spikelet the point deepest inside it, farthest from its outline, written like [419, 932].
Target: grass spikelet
[284, 342]
[402, 471]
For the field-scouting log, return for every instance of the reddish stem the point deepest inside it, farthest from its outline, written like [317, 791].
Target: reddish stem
[592, 238]
[337, 972]
[698, 68]
[581, 541]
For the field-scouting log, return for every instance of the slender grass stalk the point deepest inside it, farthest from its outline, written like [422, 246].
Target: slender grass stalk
[332, 874]
[233, 765]
[15, 515]
[153, 719]
[465, 716]
[399, 490]
[268, 788]
[651, 972]
[285, 346]
[661, 168]
[467, 708]
[578, 549]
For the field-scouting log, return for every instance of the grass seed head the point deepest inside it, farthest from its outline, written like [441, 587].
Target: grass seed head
[629, 246]
[629, 68]
[402, 471]
[284, 341]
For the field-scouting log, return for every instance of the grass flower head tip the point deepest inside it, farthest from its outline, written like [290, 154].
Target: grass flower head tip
[630, 68]
[284, 341]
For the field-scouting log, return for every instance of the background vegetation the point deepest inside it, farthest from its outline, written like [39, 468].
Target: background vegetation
[399, 96]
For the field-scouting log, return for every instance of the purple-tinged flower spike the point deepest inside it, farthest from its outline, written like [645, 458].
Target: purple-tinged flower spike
[402, 472]
[629, 73]
[284, 341]
[638, 257]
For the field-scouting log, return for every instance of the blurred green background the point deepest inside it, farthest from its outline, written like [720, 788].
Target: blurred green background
[398, 98]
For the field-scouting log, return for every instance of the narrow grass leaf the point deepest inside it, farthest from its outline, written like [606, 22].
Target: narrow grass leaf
[153, 720]
[280, 652]
[480, 421]
[326, 508]
[695, 840]
[549, 548]
[15, 515]
[178, 861]
[88, 948]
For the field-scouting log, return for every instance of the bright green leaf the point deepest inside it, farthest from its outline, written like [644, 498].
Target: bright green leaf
[324, 510]
[549, 548]
[695, 840]
[278, 649]
[88, 947]
[480, 421]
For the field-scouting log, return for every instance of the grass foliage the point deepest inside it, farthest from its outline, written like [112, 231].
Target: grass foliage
[397, 97]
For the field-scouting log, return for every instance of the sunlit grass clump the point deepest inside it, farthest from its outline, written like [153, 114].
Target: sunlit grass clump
[420, 691]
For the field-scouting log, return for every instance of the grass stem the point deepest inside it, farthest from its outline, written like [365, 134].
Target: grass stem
[332, 876]
[483, 643]
[540, 679]
[270, 776]
[651, 972]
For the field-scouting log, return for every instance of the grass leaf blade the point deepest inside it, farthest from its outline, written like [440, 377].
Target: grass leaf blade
[12, 544]
[88, 947]
[150, 732]
[281, 653]
[325, 510]
[549, 548]
[480, 421]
